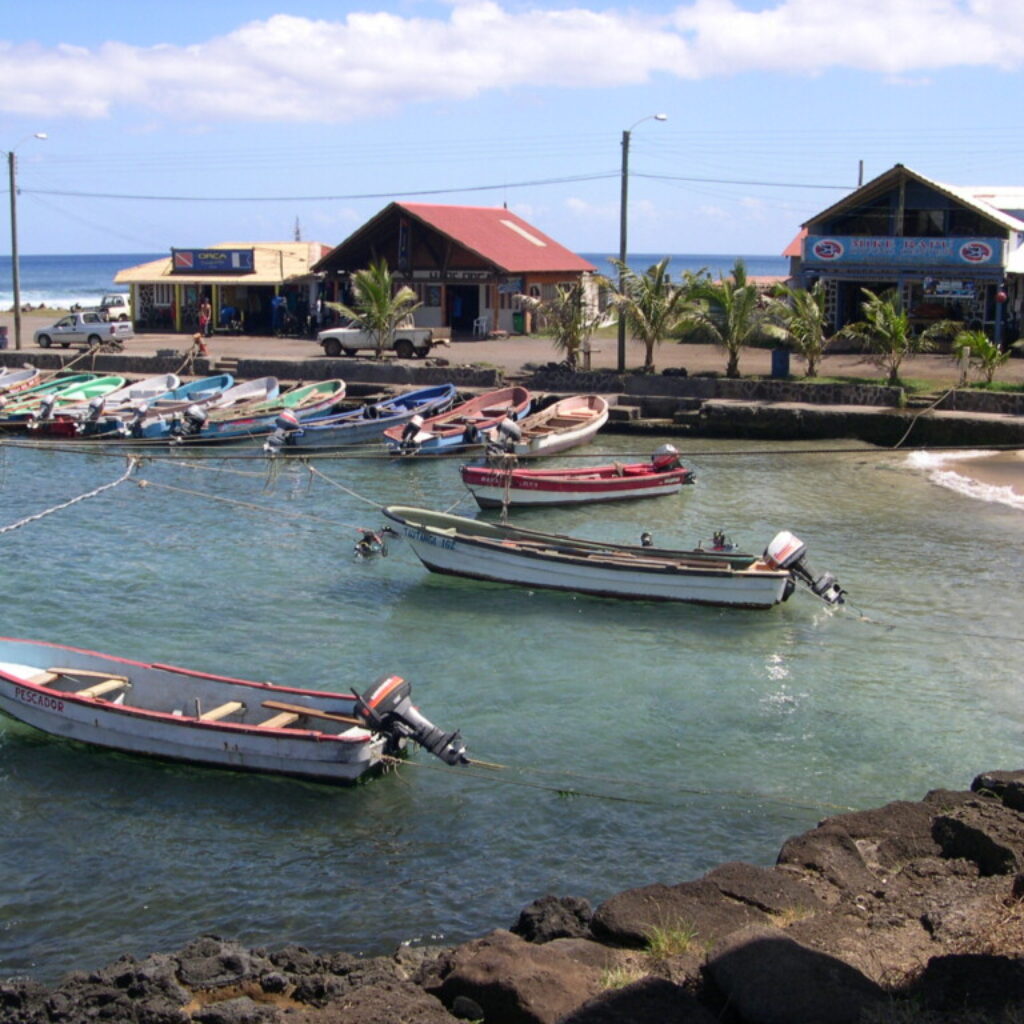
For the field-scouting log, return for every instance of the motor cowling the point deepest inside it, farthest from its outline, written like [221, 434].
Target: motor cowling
[287, 429]
[787, 551]
[96, 407]
[665, 457]
[190, 423]
[387, 708]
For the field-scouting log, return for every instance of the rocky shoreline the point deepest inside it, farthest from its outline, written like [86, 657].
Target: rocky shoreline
[911, 912]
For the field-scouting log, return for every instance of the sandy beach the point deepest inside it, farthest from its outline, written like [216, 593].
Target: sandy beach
[1001, 469]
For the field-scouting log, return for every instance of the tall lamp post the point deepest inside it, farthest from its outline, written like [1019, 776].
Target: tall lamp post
[623, 202]
[15, 270]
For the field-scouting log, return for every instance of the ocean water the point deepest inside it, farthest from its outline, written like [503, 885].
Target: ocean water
[644, 742]
[63, 281]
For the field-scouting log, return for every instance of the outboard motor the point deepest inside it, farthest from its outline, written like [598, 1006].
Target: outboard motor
[409, 431]
[666, 457]
[287, 430]
[787, 551]
[387, 709]
[46, 407]
[96, 407]
[504, 436]
[134, 427]
[191, 421]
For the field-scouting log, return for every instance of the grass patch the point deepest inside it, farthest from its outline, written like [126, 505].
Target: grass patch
[620, 977]
[669, 940]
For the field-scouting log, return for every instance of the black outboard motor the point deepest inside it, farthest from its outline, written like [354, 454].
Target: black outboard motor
[189, 423]
[287, 430]
[387, 709]
[787, 551]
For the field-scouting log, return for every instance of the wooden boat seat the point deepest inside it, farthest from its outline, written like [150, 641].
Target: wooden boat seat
[217, 713]
[103, 688]
[280, 721]
[43, 678]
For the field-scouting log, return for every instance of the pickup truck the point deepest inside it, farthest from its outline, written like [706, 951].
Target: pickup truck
[406, 342]
[117, 306]
[85, 330]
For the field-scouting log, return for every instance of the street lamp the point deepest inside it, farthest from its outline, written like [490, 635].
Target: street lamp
[15, 273]
[622, 229]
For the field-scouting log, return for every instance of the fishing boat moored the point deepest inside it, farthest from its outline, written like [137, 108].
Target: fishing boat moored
[185, 715]
[457, 546]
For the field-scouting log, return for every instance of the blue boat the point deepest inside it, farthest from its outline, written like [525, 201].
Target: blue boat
[359, 426]
[169, 414]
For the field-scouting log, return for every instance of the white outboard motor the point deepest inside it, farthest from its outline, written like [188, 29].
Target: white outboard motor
[134, 426]
[287, 430]
[96, 407]
[388, 709]
[665, 457]
[46, 407]
[409, 432]
[787, 551]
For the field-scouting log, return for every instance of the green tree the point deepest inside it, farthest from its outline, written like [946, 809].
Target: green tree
[800, 313]
[650, 303]
[567, 317]
[983, 353]
[730, 312]
[377, 305]
[887, 333]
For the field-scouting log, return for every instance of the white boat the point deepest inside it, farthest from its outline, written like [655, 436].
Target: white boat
[13, 379]
[564, 424]
[498, 484]
[457, 546]
[184, 715]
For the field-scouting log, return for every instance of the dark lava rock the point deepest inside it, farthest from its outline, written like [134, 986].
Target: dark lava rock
[956, 983]
[774, 892]
[553, 917]
[631, 917]
[1005, 786]
[648, 1001]
[517, 982]
[770, 979]
[985, 832]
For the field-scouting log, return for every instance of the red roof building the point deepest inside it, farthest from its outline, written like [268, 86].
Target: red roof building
[468, 264]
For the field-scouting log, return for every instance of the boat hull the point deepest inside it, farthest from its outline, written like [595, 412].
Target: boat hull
[177, 733]
[452, 545]
[525, 488]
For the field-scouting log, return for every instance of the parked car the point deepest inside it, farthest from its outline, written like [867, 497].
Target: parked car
[117, 306]
[85, 330]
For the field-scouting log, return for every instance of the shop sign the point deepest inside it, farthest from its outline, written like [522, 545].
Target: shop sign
[213, 261]
[826, 250]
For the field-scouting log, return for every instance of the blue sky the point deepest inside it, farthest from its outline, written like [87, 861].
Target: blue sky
[191, 123]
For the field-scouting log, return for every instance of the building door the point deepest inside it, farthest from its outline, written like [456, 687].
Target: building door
[463, 306]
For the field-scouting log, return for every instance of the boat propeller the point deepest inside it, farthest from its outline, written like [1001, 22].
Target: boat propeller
[787, 551]
[388, 709]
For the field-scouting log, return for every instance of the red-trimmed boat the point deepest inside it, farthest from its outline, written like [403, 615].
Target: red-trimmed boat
[497, 486]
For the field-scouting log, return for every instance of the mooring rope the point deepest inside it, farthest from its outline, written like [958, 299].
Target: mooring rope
[132, 463]
[919, 414]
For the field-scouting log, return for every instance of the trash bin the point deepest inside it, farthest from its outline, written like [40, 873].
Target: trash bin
[3, 335]
[780, 363]
[518, 322]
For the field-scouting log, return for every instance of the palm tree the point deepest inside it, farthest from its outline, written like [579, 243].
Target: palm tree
[800, 313]
[886, 330]
[983, 353]
[730, 311]
[377, 305]
[652, 306]
[568, 317]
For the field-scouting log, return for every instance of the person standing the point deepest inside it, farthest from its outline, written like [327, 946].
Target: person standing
[205, 317]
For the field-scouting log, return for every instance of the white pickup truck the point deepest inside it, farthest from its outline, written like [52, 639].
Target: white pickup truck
[406, 342]
[86, 329]
[117, 306]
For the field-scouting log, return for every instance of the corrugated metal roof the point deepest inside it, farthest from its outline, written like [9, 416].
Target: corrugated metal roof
[275, 263]
[500, 237]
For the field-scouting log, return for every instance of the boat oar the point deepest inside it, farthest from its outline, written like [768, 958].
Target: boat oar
[298, 709]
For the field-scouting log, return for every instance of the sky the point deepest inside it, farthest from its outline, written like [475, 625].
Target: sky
[191, 124]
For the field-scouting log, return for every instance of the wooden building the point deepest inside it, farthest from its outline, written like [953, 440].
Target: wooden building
[467, 264]
[950, 251]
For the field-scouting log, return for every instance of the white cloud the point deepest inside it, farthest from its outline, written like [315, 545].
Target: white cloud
[373, 63]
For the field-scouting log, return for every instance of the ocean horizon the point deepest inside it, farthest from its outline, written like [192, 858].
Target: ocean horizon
[64, 280]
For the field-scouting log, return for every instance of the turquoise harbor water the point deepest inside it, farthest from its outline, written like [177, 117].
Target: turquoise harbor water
[691, 736]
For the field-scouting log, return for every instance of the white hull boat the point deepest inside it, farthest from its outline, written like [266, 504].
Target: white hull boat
[184, 715]
[566, 423]
[457, 546]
